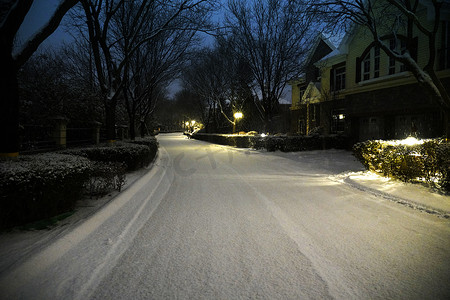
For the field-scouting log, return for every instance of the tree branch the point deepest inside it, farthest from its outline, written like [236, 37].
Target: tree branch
[31, 46]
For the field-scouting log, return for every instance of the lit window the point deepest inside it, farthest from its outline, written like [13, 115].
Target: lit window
[337, 121]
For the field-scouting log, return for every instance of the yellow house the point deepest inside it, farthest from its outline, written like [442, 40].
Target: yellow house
[368, 95]
[307, 92]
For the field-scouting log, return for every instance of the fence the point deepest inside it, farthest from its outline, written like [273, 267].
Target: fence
[57, 135]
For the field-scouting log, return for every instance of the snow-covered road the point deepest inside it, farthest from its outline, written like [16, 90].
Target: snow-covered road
[212, 222]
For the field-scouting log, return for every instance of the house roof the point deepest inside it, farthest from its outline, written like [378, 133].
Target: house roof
[319, 37]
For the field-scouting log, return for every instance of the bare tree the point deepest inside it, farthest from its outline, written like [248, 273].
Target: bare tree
[12, 14]
[104, 20]
[56, 83]
[395, 17]
[222, 79]
[272, 37]
[153, 66]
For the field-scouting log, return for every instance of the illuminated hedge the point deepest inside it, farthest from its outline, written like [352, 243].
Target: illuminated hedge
[425, 160]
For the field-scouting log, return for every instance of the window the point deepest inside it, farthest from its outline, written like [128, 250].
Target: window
[376, 63]
[339, 78]
[301, 92]
[402, 50]
[337, 121]
[392, 46]
[366, 67]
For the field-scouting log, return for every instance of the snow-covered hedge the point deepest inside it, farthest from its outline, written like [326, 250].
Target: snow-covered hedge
[40, 186]
[35, 187]
[133, 155]
[300, 143]
[274, 143]
[150, 142]
[427, 160]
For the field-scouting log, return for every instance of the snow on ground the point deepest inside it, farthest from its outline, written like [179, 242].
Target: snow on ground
[17, 244]
[414, 195]
[346, 169]
[212, 221]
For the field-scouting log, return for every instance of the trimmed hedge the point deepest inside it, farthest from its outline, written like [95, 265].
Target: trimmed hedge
[428, 161]
[274, 143]
[133, 155]
[40, 186]
[151, 143]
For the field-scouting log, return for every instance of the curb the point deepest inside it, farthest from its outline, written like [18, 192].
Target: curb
[403, 201]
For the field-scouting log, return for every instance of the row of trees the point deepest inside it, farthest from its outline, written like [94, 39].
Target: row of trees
[131, 50]
[262, 46]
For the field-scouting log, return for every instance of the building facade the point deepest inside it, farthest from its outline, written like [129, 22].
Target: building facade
[365, 94]
[306, 90]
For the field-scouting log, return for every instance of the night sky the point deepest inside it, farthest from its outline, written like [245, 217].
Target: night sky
[40, 12]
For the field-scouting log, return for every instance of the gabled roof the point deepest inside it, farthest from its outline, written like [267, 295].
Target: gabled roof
[318, 38]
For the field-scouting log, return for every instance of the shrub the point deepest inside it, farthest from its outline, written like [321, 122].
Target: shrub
[40, 186]
[151, 143]
[134, 156]
[426, 161]
[274, 143]
[443, 164]
[104, 177]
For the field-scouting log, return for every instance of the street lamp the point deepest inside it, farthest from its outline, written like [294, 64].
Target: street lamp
[237, 116]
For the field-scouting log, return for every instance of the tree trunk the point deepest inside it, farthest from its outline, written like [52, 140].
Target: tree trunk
[110, 121]
[132, 122]
[9, 106]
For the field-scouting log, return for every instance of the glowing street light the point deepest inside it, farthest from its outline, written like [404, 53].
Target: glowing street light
[237, 116]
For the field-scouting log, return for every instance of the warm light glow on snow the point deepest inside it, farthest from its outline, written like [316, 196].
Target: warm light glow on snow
[263, 135]
[409, 141]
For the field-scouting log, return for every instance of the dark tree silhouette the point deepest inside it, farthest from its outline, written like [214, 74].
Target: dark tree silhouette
[12, 14]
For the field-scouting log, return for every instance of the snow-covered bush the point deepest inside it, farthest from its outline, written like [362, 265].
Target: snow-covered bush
[134, 156]
[40, 186]
[443, 164]
[426, 160]
[150, 142]
[104, 177]
[274, 143]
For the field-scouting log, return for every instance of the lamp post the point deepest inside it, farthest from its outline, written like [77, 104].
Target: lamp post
[237, 116]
